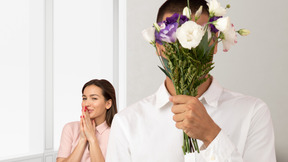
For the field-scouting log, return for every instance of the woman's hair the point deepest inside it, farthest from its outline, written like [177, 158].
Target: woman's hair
[108, 92]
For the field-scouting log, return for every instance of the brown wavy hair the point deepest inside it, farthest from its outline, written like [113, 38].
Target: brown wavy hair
[108, 92]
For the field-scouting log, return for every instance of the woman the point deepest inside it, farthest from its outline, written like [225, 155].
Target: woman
[87, 140]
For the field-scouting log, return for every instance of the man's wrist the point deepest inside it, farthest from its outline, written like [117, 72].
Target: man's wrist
[211, 135]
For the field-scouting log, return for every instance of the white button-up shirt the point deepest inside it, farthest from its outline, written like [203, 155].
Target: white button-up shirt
[146, 132]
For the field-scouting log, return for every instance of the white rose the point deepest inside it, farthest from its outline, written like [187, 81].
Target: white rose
[190, 34]
[149, 34]
[215, 8]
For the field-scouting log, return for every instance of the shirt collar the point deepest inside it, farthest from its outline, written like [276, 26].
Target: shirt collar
[212, 94]
[102, 127]
[162, 96]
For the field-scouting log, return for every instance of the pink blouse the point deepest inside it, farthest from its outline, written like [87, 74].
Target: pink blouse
[70, 137]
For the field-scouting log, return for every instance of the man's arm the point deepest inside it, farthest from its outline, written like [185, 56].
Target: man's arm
[259, 145]
[118, 146]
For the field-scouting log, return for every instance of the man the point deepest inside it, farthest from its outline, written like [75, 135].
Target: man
[229, 126]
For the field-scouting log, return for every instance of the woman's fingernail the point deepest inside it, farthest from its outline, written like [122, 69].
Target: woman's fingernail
[80, 116]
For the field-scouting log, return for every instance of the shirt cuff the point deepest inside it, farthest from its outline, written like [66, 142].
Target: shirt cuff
[220, 149]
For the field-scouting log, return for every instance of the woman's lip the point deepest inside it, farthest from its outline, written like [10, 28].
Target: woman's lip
[90, 110]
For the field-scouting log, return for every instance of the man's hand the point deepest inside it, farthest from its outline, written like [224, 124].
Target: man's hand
[192, 117]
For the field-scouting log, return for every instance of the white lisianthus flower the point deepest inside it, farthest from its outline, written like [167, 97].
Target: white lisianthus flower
[222, 24]
[149, 35]
[187, 12]
[190, 34]
[215, 8]
[229, 38]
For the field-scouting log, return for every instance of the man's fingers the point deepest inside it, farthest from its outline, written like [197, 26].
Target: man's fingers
[181, 99]
[179, 117]
[179, 125]
[176, 109]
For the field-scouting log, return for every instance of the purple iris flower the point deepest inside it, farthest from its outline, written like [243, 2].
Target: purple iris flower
[168, 34]
[213, 28]
[173, 19]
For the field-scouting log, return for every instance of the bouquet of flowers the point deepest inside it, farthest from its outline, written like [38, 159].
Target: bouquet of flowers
[187, 49]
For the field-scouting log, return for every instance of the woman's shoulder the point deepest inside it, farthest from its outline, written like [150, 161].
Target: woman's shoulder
[72, 126]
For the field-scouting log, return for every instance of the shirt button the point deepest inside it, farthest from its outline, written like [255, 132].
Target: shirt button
[212, 157]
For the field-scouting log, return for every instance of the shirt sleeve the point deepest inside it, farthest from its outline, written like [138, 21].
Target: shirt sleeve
[118, 146]
[65, 142]
[259, 145]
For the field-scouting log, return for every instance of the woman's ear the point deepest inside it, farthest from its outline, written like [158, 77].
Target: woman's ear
[108, 104]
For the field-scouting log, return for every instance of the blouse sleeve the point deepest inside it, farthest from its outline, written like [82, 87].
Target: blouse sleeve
[65, 142]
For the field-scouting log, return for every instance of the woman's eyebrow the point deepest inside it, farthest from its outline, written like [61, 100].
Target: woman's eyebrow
[94, 95]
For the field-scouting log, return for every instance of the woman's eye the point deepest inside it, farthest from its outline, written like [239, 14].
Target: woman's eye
[94, 98]
[84, 98]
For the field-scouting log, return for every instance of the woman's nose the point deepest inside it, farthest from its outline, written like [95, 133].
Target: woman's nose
[87, 103]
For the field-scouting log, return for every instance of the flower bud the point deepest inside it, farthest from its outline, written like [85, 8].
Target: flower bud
[198, 12]
[187, 12]
[157, 27]
[243, 32]
[228, 6]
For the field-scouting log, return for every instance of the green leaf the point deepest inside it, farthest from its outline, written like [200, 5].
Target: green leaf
[165, 72]
[203, 45]
[166, 64]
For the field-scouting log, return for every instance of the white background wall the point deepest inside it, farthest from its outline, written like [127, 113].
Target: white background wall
[80, 54]
[22, 77]
[47, 52]
[255, 66]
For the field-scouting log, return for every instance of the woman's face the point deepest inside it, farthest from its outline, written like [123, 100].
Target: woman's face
[95, 102]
